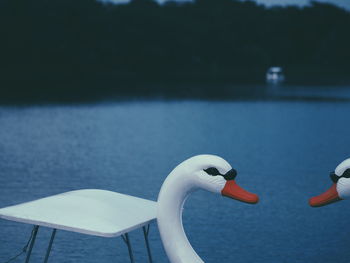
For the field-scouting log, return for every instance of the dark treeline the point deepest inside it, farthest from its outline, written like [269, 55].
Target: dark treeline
[83, 46]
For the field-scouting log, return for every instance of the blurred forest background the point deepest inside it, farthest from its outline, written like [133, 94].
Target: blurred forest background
[81, 49]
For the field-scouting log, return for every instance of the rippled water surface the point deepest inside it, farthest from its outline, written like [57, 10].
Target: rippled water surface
[283, 150]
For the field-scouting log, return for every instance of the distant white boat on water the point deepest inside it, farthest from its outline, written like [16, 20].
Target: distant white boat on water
[275, 75]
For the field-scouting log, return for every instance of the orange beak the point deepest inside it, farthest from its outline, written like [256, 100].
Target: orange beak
[234, 191]
[328, 197]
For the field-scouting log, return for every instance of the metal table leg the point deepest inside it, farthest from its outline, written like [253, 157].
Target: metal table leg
[145, 234]
[50, 245]
[35, 231]
[127, 241]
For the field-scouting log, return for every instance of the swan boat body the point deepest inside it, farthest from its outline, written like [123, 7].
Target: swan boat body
[109, 214]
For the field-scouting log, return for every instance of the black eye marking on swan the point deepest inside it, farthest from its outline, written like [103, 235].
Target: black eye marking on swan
[230, 175]
[212, 171]
[335, 178]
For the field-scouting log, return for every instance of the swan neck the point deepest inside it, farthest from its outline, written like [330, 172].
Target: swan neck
[173, 194]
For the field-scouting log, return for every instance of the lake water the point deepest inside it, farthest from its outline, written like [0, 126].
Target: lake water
[283, 151]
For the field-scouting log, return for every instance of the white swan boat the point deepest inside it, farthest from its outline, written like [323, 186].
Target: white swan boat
[340, 188]
[109, 214]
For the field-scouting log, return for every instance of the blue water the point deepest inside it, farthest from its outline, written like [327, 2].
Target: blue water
[283, 151]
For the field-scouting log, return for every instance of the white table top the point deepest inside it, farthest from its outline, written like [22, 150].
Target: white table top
[89, 211]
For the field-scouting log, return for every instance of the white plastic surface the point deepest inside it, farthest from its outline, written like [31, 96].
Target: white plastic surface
[180, 183]
[343, 185]
[89, 211]
[339, 170]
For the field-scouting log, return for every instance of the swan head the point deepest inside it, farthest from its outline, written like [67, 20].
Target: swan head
[340, 188]
[214, 174]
